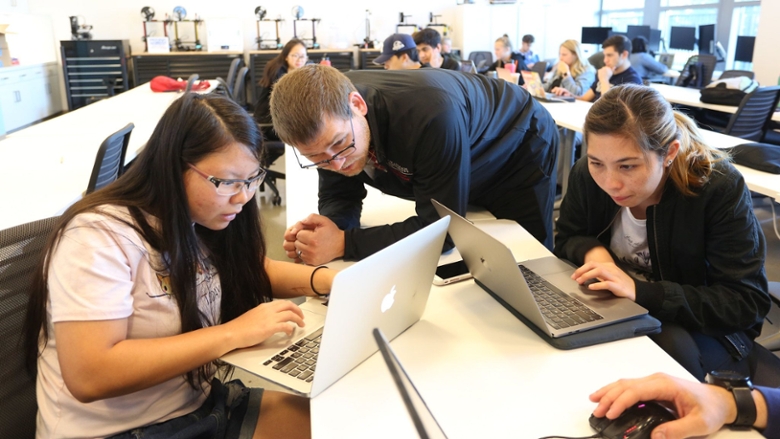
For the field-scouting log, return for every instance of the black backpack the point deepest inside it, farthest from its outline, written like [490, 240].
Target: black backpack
[729, 91]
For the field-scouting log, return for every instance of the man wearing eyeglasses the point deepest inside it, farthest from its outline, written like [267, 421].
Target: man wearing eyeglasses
[458, 138]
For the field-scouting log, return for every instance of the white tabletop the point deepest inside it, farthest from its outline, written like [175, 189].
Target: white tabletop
[46, 167]
[691, 97]
[482, 372]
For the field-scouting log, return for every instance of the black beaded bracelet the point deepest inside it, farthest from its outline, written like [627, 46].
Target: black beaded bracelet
[311, 281]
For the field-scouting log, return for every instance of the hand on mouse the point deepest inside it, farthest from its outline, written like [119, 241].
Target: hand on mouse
[702, 408]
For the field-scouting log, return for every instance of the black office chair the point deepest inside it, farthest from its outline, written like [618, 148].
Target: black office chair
[190, 82]
[239, 88]
[110, 160]
[482, 60]
[231, 76]
[20, 251]
[689, 74]
[540, 68]
[274, 148]
[736, 73]
[597, 60]
[754, 115]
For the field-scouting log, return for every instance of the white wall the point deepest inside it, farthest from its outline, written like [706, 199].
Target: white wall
[766, 63]
[342, 25]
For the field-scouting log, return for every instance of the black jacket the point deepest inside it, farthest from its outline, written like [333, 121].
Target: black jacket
[707, 250]
[441, 134]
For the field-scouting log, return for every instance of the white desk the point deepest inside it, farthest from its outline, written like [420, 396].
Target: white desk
[45, 168]
[691, 96]
[482, 372]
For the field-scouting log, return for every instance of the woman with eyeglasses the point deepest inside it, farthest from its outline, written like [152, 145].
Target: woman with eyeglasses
[147, 282]
[293, 56]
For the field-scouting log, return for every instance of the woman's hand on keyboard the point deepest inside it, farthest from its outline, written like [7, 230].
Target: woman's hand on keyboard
[606, 276]
[261, 322]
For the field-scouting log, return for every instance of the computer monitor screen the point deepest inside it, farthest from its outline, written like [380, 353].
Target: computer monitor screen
[707, 39]
[744, 50]
[683, 38]
[595, 35]
[637, 31]
[613, 33]
[654, 44]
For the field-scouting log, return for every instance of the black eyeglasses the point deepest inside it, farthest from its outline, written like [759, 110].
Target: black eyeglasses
[337, 156]
[232, 187]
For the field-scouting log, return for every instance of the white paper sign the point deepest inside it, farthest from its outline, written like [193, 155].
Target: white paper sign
[158, 44]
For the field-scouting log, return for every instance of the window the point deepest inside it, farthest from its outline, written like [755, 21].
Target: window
[612, 5]
[744, 22]
[665, 3]
[684, 17]
[619, 20]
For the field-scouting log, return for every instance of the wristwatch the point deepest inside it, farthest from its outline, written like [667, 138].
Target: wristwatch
[741, 387]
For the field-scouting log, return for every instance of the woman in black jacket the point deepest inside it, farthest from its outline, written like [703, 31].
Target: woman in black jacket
[293, 56]
[655, 215]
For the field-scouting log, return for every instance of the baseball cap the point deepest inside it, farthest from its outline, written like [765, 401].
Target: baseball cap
[393, 44]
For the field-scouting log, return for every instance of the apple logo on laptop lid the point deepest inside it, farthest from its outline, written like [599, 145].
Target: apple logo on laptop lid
[388, 300]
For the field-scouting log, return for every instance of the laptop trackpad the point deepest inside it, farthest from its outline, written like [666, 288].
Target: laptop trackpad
[549, 265]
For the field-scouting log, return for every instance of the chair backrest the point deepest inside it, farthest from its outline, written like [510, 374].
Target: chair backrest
[736, 73]
[540, 68]
[239, 88]
[481, 59]
[231, 76]
[707, 68]
[752, 119]
[110, 160]
[597, 60]
[20, 251]
[190, 82]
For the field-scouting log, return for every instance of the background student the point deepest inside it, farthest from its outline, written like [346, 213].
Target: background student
[644, 63]
[573, 75]
[525, 49]
[399, 52]
[655, 215]
[428, 43]
[293, 56]
[446, 48]
[149, 281]
[617, 68]
[502, 49]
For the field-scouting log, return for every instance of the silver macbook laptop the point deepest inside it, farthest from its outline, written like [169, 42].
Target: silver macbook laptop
[388, 290]
[541, 290]
[666, 59]
[426, 425]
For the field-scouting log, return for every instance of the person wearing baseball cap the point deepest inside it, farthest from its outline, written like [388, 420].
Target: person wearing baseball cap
[399, 53]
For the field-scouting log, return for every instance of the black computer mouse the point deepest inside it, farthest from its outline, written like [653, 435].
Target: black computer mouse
[636, 422]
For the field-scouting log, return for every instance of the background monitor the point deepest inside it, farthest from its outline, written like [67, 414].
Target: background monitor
[613, 33]
[683, 38]
[636, 31]
[707, 39]
[595, 35]
[654, 43]
[744, 50]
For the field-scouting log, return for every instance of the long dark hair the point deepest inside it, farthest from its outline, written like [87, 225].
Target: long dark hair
[192, 128]
[272, 69]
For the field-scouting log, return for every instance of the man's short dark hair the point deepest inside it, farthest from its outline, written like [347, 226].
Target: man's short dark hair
[412, 52]
[619, 42]
[528, 38]
[427, 36]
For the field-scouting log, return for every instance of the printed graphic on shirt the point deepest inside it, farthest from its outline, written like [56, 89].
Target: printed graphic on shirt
[639, 262]
[165, 286]
[209, 292]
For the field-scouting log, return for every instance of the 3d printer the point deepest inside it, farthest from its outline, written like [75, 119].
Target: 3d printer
[297, 12]
[79, 31]
[263, 43]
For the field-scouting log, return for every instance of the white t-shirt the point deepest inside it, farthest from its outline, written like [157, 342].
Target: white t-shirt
[103, 270]
[629, 243]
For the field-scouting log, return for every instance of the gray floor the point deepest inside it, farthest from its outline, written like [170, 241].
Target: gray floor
[275, 221]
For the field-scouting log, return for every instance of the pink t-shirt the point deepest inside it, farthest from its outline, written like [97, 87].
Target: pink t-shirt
[103, 270]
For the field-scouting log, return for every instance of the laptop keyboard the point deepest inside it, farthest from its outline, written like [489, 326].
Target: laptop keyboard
[299, 359]
[559, 309]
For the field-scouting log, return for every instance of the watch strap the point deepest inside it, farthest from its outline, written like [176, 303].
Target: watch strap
[746, 407]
